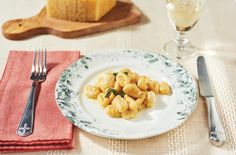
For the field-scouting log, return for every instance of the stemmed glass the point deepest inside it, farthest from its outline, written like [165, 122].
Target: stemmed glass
[184, 14]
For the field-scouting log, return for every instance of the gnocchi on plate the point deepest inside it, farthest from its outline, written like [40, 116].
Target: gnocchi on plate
[124, 93]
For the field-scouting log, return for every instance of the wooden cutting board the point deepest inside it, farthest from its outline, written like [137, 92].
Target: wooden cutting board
[123, 14]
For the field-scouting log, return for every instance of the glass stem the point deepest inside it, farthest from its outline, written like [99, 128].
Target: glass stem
[181, 40]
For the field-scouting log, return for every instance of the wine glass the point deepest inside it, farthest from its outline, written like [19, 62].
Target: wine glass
[184, 14]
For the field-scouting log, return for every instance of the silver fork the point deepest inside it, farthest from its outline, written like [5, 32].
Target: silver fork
[38, 75]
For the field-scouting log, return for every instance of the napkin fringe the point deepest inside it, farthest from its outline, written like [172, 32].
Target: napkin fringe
[35, 148]
[43, 142]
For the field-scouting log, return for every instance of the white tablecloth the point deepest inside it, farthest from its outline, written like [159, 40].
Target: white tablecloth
[214, 35]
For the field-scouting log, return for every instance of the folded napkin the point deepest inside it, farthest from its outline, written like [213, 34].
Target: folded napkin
[51, 129]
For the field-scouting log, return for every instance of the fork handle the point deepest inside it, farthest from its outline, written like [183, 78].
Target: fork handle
[26, 125]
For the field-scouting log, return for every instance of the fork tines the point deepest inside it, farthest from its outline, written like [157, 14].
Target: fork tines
[39, 67]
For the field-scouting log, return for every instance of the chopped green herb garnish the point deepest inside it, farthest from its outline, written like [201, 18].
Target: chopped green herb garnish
[109, 91]
[126, 73]
[115, 74]
[122, 93]
[112, 90]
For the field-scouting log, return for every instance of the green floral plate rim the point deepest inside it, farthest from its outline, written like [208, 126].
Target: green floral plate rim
[172, 112]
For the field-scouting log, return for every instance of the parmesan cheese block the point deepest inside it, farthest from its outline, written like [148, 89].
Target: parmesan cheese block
[79, 10]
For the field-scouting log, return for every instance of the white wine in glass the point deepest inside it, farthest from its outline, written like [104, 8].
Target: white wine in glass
[184, 14]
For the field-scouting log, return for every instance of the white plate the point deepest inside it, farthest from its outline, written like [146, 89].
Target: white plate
[168, 113]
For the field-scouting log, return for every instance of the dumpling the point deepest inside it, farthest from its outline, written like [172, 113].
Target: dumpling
[92, 92]
[133, 105]
[141, 99]
[117, 86]
[129, 114]
[125, 70]
[103, 100]
[120, 103]
[132, 90]
[112, 111]
[154, 86]
[122, 79]
[143, 83]
[164, 88]
[151, 98]
[133, 77]
[106, 80]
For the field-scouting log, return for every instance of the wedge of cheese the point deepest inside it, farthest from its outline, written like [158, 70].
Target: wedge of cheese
[79, 10]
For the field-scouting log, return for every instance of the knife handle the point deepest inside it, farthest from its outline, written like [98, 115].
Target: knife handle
[216, 130]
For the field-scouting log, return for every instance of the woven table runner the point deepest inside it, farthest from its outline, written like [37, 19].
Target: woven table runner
[191, 138]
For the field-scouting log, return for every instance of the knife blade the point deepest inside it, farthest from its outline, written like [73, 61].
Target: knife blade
[216, 131]
[204, 81]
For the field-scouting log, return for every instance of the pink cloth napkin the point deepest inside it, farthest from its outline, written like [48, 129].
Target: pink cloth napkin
[51, 129]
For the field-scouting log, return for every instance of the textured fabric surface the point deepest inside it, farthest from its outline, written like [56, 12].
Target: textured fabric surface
[51, 129]
[215, 37]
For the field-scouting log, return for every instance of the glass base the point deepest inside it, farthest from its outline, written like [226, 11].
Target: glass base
[183, 52]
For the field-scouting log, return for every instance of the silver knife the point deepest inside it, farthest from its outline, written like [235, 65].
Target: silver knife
[216, 131]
